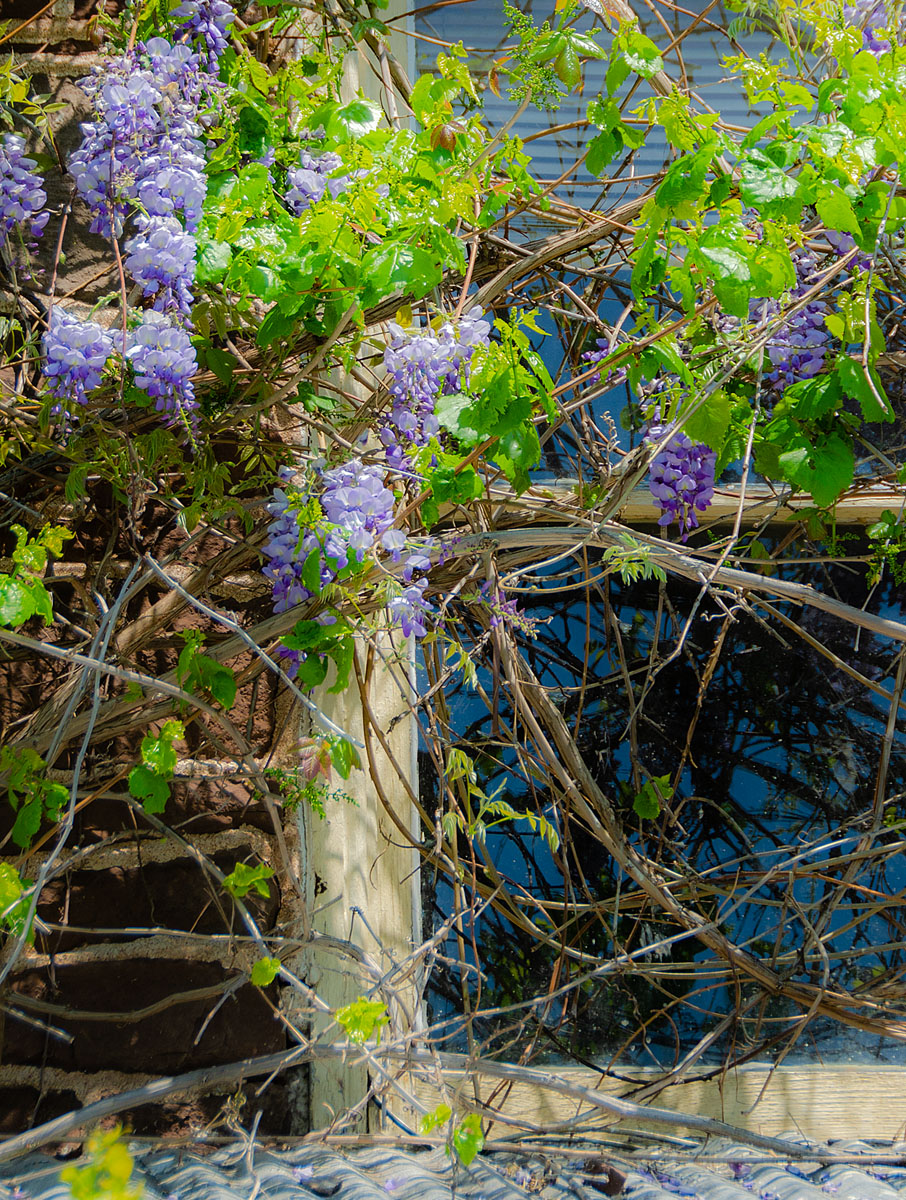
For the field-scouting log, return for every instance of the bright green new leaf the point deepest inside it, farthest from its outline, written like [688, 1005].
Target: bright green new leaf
[17, 600]
[362, 1019]
[468, 1139]
[106, 1174]
[641, 54]
[149, 787]
[647, 802]
[265, 971]
[344, 757]
[347, 122]
[244, 878]
[433, 1120]
[158, 751]
[13, 907]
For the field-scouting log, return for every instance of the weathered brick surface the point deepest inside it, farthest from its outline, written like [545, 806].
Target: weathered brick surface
[172, 895]
[140, 890]
[166, 1042]
[22, 1107]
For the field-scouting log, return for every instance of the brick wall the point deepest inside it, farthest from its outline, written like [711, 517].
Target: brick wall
[137, 966]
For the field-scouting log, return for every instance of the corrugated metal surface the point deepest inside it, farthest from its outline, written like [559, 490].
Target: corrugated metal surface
[317, 1172]
[312, 1172]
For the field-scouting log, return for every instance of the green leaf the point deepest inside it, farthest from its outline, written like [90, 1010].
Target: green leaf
[275, 326]
[311, 573]
[212, 260]
[55, 796]
[347, 122]
[27, 823]
[221, 362]
[17, 601]
[40, 598]
[641, 54]
[684, 179]
[451, 413]
[149, 787]
[13, 907]
[811, 399]
[585, 45]
[825, 468]
[158, 752]
[265, 971]
[764, 186]
[362, 1019]
[602, 150]
[312, 671]
[617, 74]
[394, 268]
[342, 653]
[468, 1140]
[432, 1120]
[858, 386]
[710, 422]
[772, 270]
[244, 878]
[457, 487]
[218, 680]
[520, 446]
[835, 209]
[344, 757]
[308, 634]
[647, 802]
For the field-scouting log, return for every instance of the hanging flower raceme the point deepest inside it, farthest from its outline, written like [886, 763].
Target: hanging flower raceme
[681, 479]
[163, 361]
[422, 365]
[207, 22]
[75, 355]
[799, 344]
[339, 524]
[161, 260]
[313, 179]
[317, 533]
[144, 145]
[22, 195]
[872, 16]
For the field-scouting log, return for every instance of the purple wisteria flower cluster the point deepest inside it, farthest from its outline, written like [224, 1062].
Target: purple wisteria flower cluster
[207, 22]
[507, 613]
[143, 149]
[681, 479]
[161, 260]
[593, 357]
[422, 365]
[142, 156]
[163, 362]
[799, 345]
[75, 354]
[313, 179]
[22, 195]
[872, 16]
[346, 512]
